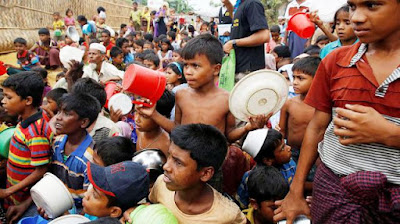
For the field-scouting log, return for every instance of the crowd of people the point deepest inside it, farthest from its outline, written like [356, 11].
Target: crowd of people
[330, 153]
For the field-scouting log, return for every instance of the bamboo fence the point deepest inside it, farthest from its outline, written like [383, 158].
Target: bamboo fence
[23, 18]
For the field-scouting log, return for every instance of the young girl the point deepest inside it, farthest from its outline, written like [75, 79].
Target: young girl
[69, 20]
[165, 53]
[175, 77]
[343, 29]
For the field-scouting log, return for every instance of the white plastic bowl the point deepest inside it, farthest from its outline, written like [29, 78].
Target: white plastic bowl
[260, 92]
[122, 102]
[51, 194]
[73, 33]
[70, 219]
[69, 53]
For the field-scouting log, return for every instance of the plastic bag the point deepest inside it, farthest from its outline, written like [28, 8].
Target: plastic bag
[227, 73]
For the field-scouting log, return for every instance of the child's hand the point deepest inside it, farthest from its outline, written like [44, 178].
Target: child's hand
[126, 218]
[42, 212]
[142, 109]
[7, 65]
[277, 127]
[257, 122]
[315, 18]
[4, 193]
[115, 115]
[15, 212]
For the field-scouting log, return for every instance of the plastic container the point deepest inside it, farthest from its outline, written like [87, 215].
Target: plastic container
[144, 82]
[121, 102]
[69, 53]
[110, 89]
[73, 34]
[5, 139]
[3, 69]
[33, 220]
[260, 92]
[51, 194]
[301, 24]
[70, 219]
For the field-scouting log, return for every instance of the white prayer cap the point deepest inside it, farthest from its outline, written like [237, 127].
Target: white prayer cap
[102, 15]
[99, 47]
[254, 141]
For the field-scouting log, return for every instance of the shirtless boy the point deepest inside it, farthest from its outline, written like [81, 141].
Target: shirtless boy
[204, 102]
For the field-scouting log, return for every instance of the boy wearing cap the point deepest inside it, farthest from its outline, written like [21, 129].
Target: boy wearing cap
[115, 188]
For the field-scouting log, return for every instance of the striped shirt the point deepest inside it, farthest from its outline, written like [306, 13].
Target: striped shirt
[72, 171]
[30, 147]
[345, 77]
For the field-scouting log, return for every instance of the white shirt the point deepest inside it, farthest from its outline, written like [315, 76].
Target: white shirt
[295, 4]
[107, 71]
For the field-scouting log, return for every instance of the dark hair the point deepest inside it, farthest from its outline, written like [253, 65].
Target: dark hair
[172, 34]
[275, 29]
[166, 41]
[100, 9]
[154, 58]
[44, 31]
[140, 55]
[321, 38]
[82, 18]
[191, 29]
[184, 33]
[74, 102]
[41, 72]
[20, 40]
[204, 44]
[149, 42]
[106, 32]
[312, 50]
[178, 51]
[68, 10]
[134, 3]
[26, 84]
[148, 37]
[307, 65]
[139, 42]
[91, 87]
[166, 103]
[178, 71]
[56, 94]
[206, 144]
[148, 51]
[120, 41]
[153, 12]
[113, 150]
[345, 8]
[123, 25]
[105, 220]
[115, 51]
[273, 139]
[56, 14]
[61, 74]
[282, 51]
[266, 183]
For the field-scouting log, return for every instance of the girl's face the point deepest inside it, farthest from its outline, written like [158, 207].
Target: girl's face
[101, 20]
[164, 46]
[172, 77]
[70, 13]
[344, 28]
[176, 57]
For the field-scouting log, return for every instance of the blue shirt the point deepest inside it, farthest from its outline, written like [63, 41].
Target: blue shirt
[128, 58]
[72, 170]
[288, 170]
[330, 47]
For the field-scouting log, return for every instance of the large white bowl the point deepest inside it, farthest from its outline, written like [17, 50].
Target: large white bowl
[68, 53]
[73, 34]
[122, 102]
[51, 194]
[70, 219]
[260, 92]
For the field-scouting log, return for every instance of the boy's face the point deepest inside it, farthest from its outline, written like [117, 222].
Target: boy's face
[56, 17]
[138, 48]
[125, 48]
[50, 104]
[180, 170]
[322, 43]
[140, 60]
[119, 59]
[95, 203]
[375, 21]
[144, 123]
[266, 210]
[301, 82]
[150, 64]
[69, 122]
[199, 71]
[13, 103]
[147, 47]
[275, 36]
[44, 37]
[81, 22]
[105, 38]
[19, 47]
[176, 57]
[282, 153]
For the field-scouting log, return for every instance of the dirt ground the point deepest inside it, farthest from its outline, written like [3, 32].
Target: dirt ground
[11, 58]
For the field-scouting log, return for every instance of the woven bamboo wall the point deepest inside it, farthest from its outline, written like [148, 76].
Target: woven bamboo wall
[23, 18]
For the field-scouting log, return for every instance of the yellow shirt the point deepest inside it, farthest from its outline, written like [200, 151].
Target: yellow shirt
[3, 127]
[58, 25]
[136, 16]
[249, 215]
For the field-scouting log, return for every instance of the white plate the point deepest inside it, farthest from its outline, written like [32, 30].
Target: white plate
[122, 102]
[69, 219]
[260, 92]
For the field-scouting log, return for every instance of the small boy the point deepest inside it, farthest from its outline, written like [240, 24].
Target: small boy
[123, 43]
[58, 26]
[73, 147]
[152, 61]
[47, 50]
[282, 56]
[30, 147]
[204, 102]
[196, 152]
[51, 104]
[295, 114]
[138, 46]
[117, 58]
[139, 58]
[265, 185]
[26, 60]
[149, 133]
[148, 45]
[115, 188]
[113, 150]
[106, 41]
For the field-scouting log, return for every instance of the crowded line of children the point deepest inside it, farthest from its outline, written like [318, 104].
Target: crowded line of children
[322, 155]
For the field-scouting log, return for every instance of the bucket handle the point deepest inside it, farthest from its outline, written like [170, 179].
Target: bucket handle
[143, 103]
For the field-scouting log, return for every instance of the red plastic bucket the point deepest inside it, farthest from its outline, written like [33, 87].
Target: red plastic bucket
[301, 24]
[144, 82]
[110, 91]
[3, 69]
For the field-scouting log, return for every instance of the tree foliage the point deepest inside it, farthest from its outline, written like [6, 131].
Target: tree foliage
[272, 9]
